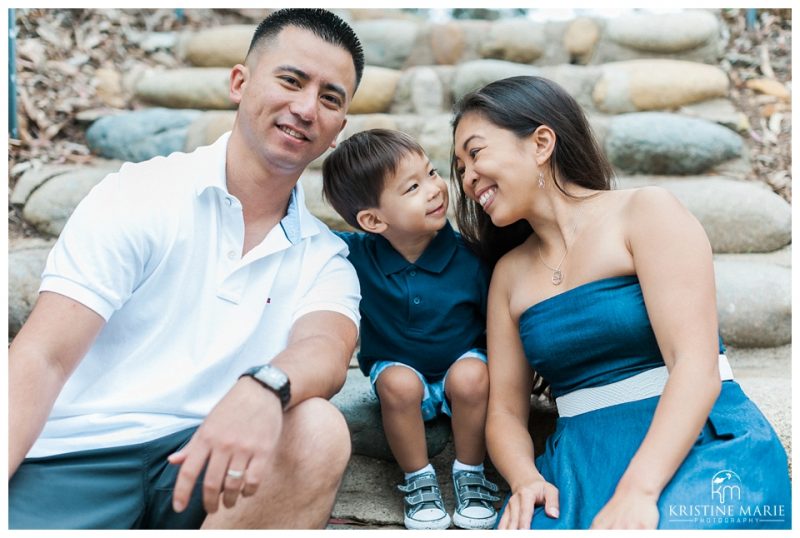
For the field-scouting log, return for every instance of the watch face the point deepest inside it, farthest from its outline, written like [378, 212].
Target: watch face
[271, 377]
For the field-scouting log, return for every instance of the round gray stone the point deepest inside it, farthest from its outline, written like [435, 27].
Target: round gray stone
[387, 43]
[376, 91]
[50, 206]
[427, 94]
[663, 32]
[224, 46]
[657, 84]
[437, 140]
[34, 178]
[721, 111]
[207, 128]
[514, 40]
[316, 204]
[782, 257]
[738, 216]
[578, 80]
[142, 134]
[754, 303]
[476, 74]
[362, 412]
[662, 143]
[195, 87]
[25, 266]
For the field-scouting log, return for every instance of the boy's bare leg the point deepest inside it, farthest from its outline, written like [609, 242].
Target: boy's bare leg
[301, 483]
[467, 388]
[400, 392]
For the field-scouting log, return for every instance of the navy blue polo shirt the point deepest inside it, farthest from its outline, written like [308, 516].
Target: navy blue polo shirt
[424, 314]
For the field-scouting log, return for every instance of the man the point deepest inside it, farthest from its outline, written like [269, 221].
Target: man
[130, 387]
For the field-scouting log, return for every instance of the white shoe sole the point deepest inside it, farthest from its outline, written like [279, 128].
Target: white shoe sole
[436, 524]
[464, 522]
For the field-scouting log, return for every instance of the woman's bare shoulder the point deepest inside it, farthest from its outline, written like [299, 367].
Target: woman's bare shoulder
[648, 198]
[514, 259]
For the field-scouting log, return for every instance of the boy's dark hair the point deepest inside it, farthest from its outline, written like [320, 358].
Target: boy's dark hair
[520, 105]
[354, 174]
[322, 23]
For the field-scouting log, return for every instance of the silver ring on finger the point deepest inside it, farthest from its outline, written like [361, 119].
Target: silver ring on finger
[235, 474]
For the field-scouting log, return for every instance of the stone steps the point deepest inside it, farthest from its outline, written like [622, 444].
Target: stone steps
[655, 143]
[368, 497]
[398, 41]
[753, 296]
[738, 216]
[611, 88]
[656, 99]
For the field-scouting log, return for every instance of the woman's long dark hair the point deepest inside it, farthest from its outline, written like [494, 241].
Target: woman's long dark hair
[521, 105]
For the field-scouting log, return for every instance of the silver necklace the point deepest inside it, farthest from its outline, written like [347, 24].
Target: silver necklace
[558, 275]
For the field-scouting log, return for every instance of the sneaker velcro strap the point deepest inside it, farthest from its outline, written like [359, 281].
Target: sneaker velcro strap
[469, 495]
[420, 498]
[419, 483]
[472, 480]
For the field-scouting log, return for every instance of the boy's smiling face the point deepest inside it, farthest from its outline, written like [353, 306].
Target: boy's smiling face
[414, 199]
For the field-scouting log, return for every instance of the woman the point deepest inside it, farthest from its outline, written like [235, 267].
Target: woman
[609, 296]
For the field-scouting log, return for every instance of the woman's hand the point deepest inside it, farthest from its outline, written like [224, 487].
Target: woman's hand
[519, 510]
[628, 511]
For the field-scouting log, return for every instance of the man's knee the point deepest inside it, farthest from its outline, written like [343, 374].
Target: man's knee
[317, 438]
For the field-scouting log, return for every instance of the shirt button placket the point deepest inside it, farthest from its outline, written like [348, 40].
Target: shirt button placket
[232, 254]
[416, 300]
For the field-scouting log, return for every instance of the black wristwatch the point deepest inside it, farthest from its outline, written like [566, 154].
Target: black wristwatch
[274, 379]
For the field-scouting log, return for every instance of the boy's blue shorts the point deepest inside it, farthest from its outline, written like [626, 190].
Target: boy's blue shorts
[434, 400]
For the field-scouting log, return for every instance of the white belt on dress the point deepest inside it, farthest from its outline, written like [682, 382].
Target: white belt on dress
[645, 385]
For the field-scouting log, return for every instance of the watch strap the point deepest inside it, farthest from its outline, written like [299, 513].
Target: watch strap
[283, 392]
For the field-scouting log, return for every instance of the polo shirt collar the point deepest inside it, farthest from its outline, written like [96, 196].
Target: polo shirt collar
[210, 171]
[297, 224]
[434, 259]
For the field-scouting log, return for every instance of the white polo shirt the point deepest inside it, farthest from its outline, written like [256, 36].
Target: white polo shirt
[155, 249]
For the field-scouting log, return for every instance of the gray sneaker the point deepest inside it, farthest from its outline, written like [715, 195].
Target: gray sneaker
[474, 509]
[424, 508]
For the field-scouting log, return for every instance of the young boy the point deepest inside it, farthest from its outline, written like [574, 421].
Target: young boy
[423, 320]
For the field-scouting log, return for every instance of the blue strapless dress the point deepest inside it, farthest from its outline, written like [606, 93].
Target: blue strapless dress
[736, 474]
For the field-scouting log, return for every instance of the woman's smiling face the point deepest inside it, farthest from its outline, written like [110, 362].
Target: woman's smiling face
[495, 167]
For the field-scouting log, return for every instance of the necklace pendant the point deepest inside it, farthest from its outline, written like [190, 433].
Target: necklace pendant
[557, 278]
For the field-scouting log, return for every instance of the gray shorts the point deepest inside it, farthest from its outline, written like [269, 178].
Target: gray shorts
[126, 487]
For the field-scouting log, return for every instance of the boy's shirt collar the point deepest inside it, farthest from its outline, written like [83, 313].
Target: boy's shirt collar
[434, 259]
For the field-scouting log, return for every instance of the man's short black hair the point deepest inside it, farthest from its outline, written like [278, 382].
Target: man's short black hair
[322, 23]
[354, 174]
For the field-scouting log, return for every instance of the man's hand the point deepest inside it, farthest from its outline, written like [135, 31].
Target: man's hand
[238, 436]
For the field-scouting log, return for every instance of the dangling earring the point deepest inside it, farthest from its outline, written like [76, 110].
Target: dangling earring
[541, 180]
